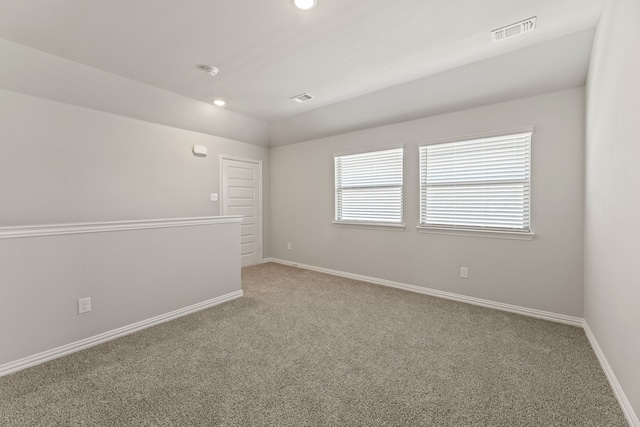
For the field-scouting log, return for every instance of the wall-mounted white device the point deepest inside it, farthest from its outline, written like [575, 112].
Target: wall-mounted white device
[200, 150]
[84, 305]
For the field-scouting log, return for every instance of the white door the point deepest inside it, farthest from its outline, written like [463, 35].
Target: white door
[241, 195]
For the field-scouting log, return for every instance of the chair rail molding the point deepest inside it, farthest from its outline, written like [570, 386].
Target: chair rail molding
[100, 227]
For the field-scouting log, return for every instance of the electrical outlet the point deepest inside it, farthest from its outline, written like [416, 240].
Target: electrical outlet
[214, 197]
[84, 305]
[288, 246]
[464, 272]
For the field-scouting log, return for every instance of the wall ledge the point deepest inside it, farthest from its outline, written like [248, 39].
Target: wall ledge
[100, 227]
[36, 359]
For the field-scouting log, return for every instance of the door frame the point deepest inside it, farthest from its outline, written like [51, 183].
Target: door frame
[260, 202]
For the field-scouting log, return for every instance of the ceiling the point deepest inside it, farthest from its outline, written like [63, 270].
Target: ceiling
[268, 51]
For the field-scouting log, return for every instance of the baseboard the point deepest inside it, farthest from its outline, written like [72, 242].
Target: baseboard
[629, 413]
[83, 344]
[540, 314]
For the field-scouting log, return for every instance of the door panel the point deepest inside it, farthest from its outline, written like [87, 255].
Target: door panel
[242, 193]
[241, 189]
[247, 230]
[247, 211]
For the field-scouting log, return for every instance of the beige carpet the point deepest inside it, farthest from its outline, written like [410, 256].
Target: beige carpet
[308, 349]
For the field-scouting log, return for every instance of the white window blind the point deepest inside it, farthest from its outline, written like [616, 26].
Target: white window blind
[369, 187]
[476, 184]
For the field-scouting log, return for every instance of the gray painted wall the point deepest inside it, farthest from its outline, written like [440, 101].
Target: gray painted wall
[31, 72]
[612, 232]
[131, 276]
[61, 163]
[545, 273]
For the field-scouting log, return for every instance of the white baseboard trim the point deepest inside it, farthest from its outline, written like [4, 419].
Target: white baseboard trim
[83, 344]
[629, 413]
[531, 312]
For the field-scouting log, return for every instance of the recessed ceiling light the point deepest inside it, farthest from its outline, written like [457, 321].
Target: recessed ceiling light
[211, 70]
[219, 102]
[305, 4]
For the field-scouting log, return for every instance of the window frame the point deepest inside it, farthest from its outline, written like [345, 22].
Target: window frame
[470, 230]
[373, 224]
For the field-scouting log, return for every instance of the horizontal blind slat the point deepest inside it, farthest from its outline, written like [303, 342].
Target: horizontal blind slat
[369, 186]
[479, 183]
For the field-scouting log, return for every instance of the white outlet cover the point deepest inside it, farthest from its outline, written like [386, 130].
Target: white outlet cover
[214, 197]
[84, 305]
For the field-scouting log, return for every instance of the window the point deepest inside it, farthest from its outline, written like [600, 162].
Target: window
[369, 187]
[479, 184]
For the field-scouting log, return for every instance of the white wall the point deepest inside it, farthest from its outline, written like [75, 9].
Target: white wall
[65, 163]
[612, 232]
[61, 163]
[130, 275]
[545, 273]
[32, 72]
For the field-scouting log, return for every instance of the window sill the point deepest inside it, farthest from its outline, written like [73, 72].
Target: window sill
[371, 225]
[513, 235]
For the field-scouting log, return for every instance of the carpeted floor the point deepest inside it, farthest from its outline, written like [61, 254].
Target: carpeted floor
[308, 349]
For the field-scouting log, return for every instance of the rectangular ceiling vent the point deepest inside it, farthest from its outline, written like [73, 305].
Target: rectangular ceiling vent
[513, 30]
[301, 98]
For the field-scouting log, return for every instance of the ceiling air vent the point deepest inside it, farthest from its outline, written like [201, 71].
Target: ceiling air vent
[301, 98]
[513, 30]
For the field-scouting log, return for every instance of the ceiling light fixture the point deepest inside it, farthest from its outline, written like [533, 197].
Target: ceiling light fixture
[305, 4]
[219, 102]
[211, 70]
